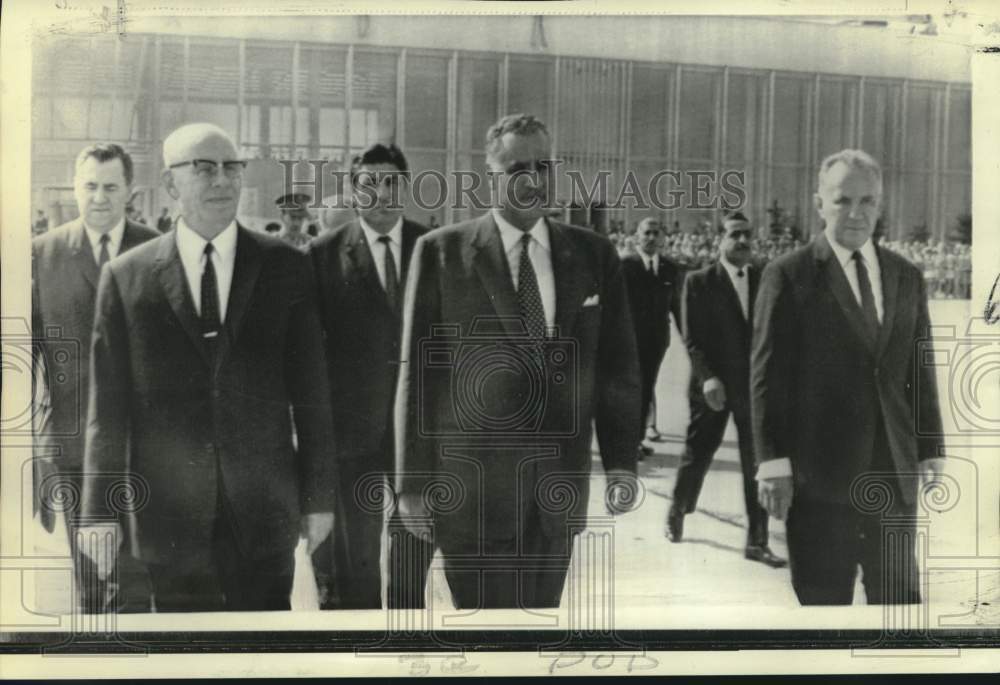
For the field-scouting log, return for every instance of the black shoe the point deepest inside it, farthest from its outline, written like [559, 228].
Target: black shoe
[763, 554]
[644, 452]
[675, 525]
[653, 435]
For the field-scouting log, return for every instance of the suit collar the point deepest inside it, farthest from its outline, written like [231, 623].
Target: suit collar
[841, 289]
[83, 254]
[363, 262]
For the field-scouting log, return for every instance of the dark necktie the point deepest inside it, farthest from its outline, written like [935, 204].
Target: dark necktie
[211, 321]
[391, 275]
[867, 298]
[529, 298]
[649, 266]
[104, 256]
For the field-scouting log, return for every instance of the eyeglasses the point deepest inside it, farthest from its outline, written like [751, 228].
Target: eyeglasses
[208, 169]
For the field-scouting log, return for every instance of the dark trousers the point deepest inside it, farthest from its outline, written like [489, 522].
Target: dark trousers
[224, 578]
[827, 541]
[499, 575]
[704, 436]
[650, 359]
[348, 567]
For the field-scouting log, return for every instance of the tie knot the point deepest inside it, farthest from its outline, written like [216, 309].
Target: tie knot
[740, 273]
[209, 249]
[384, 239]
[858, 257]
[105, 239]
[525, 240]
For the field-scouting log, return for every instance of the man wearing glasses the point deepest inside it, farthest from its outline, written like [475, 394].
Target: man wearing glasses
[516, 338]
[203, 341]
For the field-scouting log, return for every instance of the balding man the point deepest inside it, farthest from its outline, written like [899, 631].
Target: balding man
[209, 396]
[654, 293]
[843, 404]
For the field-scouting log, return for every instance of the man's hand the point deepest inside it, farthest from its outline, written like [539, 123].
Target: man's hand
[931, 470]
[100, 544]
[775, 495]
[621, 491]
[715, 393]
[315, 529]
[415, 516]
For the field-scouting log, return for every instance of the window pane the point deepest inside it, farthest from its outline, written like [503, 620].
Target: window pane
[957, 199]
[743, 116]
[786, 188]
[697, 114]
[917, 145]
[650, 110]
[375, 93]
[478, 80]
[836, 99]
[915, 190]
[789, 129]
[430, 187]
[959, 130]
[214, 72]
[426, 101]
[529, 83]
[878, 128]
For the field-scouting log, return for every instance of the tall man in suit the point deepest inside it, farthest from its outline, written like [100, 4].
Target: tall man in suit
[717, 316]
[207, 351]
[361, 269]
[841, 396]
[66, 265]
[654, 293]
[529, 318]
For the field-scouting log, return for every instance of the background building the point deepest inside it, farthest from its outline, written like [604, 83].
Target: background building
[769, 97]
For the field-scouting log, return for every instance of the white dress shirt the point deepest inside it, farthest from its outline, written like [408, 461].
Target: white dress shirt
[850, 267]
[540, 254]
[651, 262]
[377, 249]
[191, 247]
[776, 468]
[742, 285]
[114, 240]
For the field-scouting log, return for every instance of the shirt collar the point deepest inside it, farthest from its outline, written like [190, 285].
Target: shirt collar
[844, 255]
[732, 268]
[191, 243]
[395, 233]
[114, 235]
[511, 235]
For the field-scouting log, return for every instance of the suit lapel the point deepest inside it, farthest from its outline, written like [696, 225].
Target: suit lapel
[571, 276]
[890, 293]
[841, 289]
[491, 266]
[175, 287]
[731, 296]
[83, 254]
[753, 274]
[410, 235]
[130, 238]
[363, 264]
[249, 258]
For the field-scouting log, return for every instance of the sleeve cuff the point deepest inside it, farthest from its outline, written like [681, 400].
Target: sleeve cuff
[774, 468]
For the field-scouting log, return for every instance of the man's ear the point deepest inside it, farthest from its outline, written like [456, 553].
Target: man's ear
[817, 202]
[167, 178]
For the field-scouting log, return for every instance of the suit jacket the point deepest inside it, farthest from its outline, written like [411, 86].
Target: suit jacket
[172, 418]
[362, 343]
[653, 297]
[500, 443]
[716, 334]
[64, 280]
[820, 385]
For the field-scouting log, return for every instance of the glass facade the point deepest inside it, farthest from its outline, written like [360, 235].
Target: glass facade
[297, 100]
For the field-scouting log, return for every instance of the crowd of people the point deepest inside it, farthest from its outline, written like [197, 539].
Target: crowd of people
[253, 390]
[947, 266]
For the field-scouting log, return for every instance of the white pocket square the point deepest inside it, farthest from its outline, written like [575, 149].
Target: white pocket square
[592, 301]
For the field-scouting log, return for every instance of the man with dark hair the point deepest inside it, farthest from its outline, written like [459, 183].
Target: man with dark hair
[717, 316]
[654, 293]
[164, 223]
[361, 268]
[209, 396]
[294, 214]
[66, 265]
[843, 401]
[530, 318]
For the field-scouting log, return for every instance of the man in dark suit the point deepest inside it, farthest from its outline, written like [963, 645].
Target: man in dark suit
[654, 292]
[207, 350]
[717, 316]
[516, 337]
[66, 264]
[361, 270]
[841, 397]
